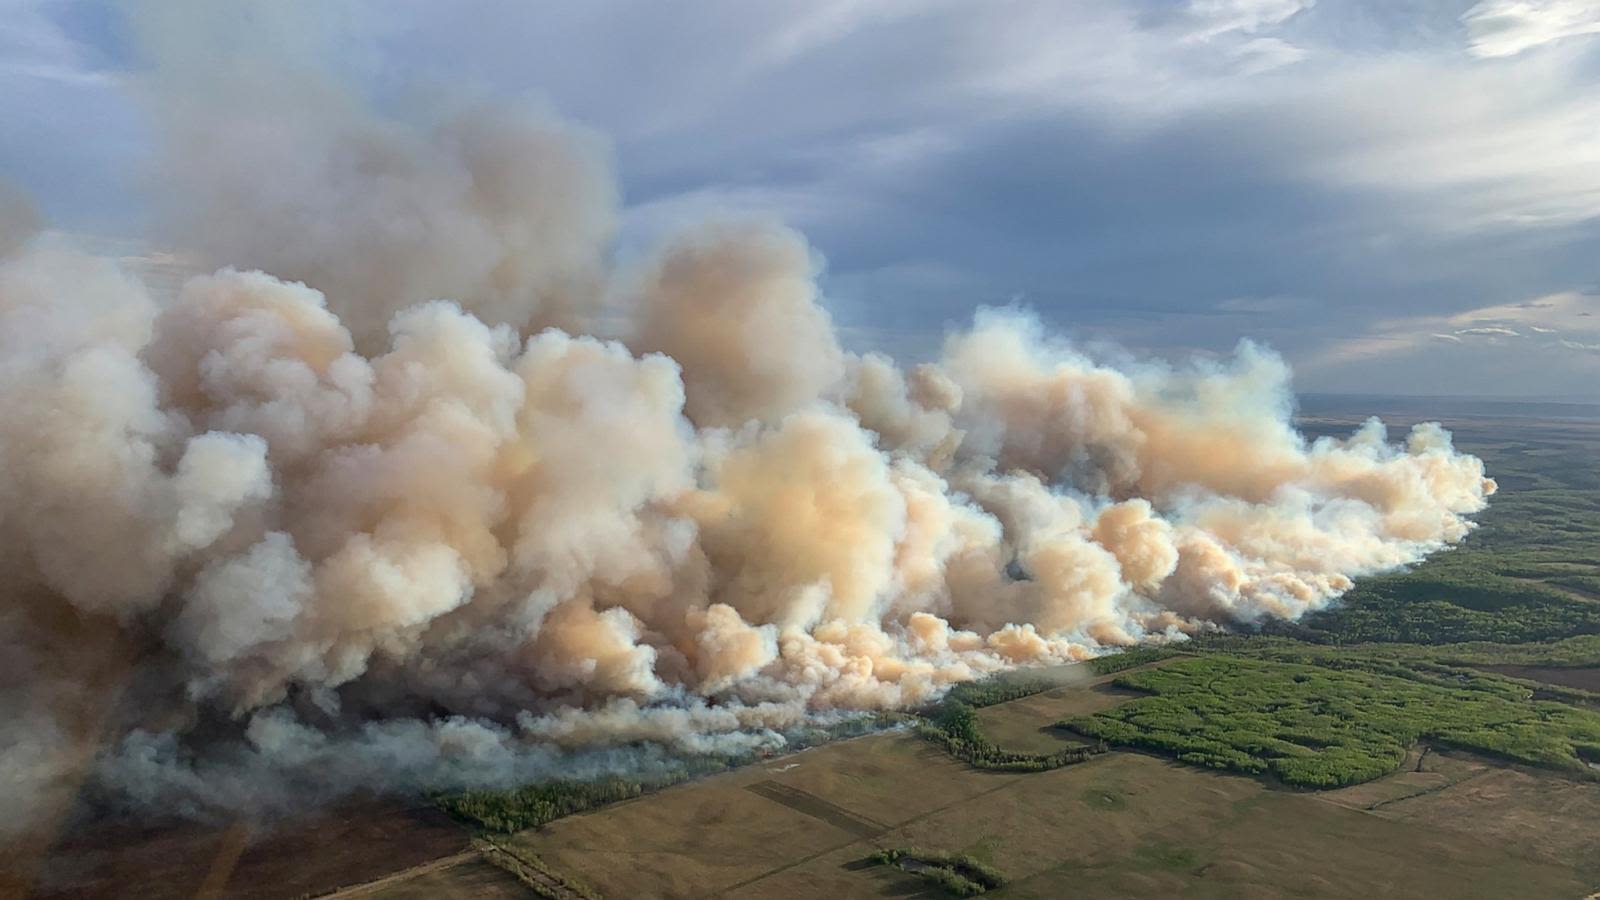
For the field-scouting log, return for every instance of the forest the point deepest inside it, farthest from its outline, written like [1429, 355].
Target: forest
[1315, 726]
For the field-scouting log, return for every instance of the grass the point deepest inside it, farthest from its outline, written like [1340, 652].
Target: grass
[1104, 799]
[1161, 855]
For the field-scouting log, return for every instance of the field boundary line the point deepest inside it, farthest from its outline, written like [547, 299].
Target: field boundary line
[367, 887]
[1013, 779]
[809, 804]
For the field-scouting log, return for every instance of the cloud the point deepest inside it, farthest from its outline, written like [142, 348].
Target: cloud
[1481, 345]
[1264, 305]
[1501, 28]
[1250, 16]
[34, 46]
[1125, 165]
[1460, 149]
[1566, 313]
[1265, 54]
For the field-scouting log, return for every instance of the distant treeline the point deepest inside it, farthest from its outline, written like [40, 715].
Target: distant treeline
[989, 691]
[1130, 658]
[1449, 608]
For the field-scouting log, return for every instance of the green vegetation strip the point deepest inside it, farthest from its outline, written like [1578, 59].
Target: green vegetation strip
[995, 689]
[955, 729]
[534, 873]
[1320, 727]
[1130, 658]
[536, 804]
[539, 803]
[957, 874]
[952, 724]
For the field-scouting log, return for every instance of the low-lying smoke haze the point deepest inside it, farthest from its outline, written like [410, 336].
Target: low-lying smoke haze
[368, 506]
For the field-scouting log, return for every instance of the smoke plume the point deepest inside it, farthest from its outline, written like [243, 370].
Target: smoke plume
[370, 511]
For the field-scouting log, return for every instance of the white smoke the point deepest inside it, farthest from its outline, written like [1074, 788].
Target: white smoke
[401, 541]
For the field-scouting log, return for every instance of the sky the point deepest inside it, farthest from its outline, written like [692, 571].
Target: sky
[1400, 196]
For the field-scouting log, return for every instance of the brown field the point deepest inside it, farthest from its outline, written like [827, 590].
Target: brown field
[1028, 724]
[470, 878]
[349, 846]
[1423, 772]
[1584, 678]
[1535, 815]
[1122, 825]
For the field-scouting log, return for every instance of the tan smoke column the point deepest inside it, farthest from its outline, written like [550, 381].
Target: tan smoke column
[353, 502]
[736, 306]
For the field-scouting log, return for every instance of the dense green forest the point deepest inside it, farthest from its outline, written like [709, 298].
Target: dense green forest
[1317, 726]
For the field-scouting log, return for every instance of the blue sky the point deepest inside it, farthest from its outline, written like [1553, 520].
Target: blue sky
[1402, 196]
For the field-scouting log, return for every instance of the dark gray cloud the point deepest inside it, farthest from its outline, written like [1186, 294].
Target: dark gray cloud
[1174, 175]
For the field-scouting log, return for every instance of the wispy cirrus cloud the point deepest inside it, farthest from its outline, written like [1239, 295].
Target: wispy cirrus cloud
[1560, 331]
[1499, 28]
[1218, 17]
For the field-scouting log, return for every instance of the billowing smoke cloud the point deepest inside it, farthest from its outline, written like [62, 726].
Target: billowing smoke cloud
[350, 518]
[267, 164]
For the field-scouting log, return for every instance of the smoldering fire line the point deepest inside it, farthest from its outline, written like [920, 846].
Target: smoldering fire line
[404, 540]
